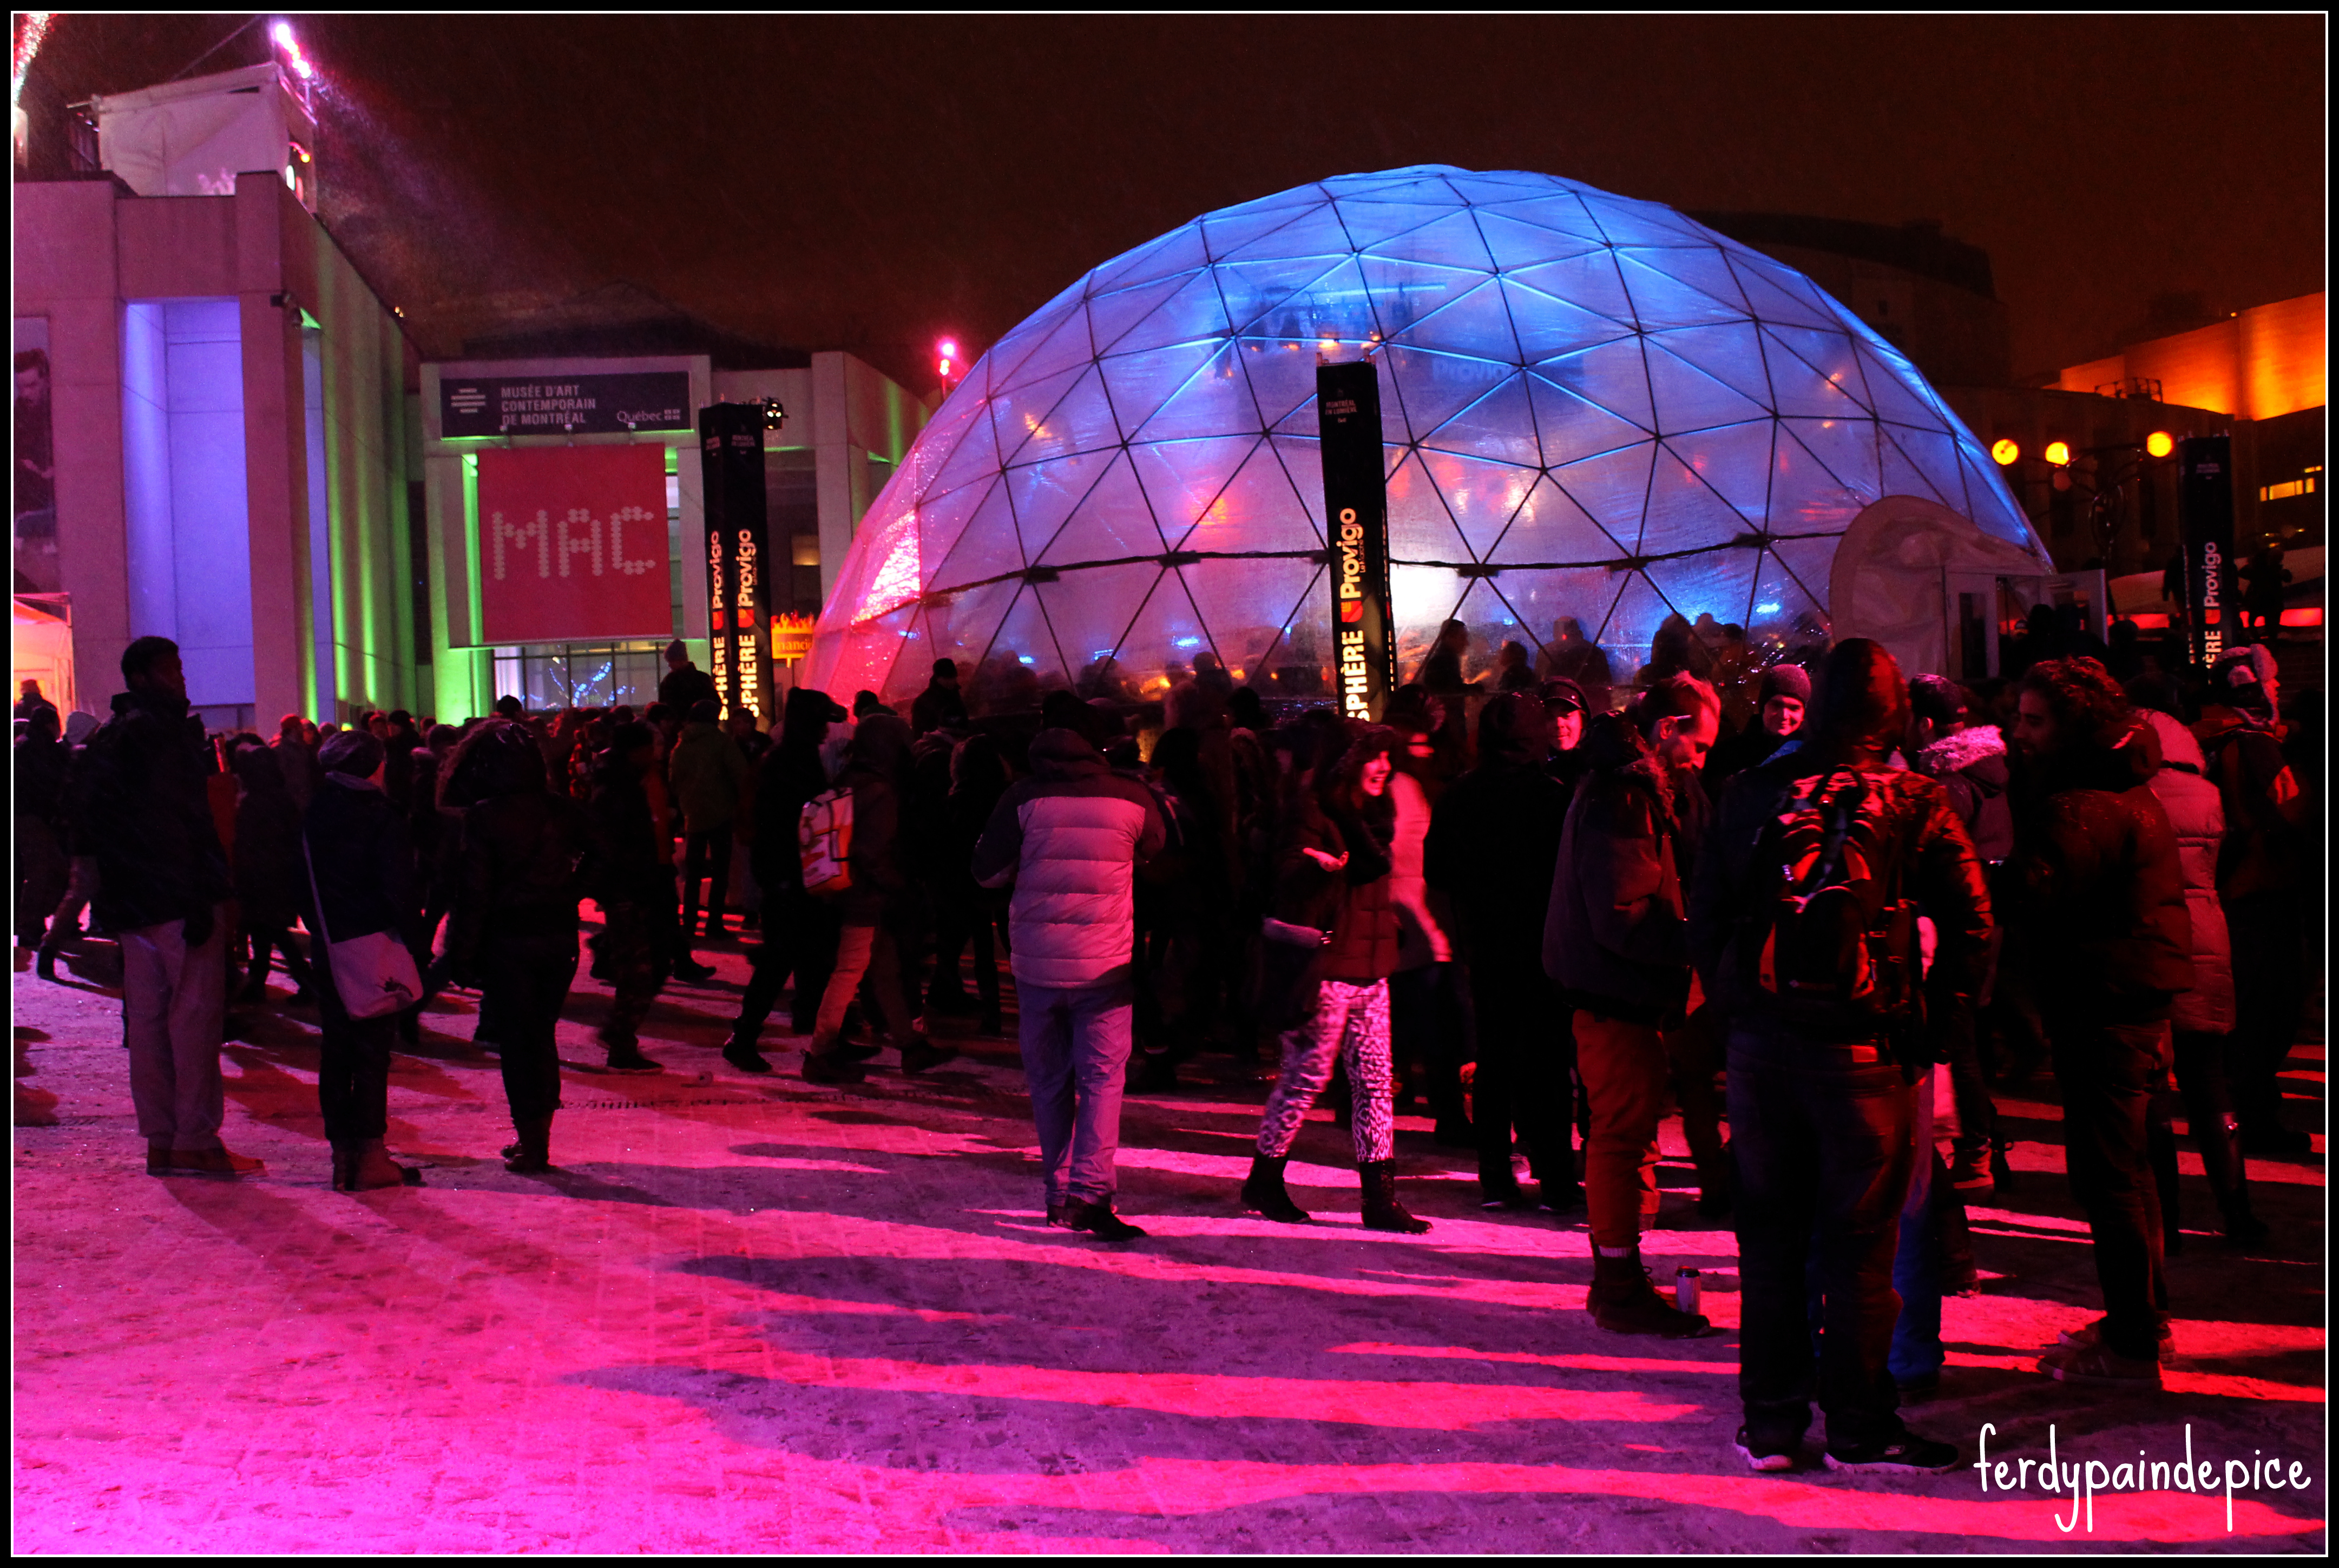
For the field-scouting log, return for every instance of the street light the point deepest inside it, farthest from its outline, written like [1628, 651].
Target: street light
[2006, 452]
[2160, 443]
[2058, 453]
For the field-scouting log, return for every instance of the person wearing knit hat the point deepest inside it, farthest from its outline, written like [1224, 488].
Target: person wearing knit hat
[1780, 700]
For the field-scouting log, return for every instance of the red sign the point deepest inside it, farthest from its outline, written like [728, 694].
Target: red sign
[573, 544]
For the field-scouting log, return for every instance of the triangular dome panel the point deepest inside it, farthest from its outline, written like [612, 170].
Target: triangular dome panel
[1108, 521]
[1550, 528]
[1481, 496]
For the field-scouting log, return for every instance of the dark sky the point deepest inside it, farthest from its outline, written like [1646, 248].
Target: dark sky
[874, 184]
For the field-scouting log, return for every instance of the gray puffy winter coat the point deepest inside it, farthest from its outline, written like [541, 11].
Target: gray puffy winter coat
[1069, 839]
[2197, 813]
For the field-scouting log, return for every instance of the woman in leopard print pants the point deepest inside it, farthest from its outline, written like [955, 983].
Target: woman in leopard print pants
[1332, 875]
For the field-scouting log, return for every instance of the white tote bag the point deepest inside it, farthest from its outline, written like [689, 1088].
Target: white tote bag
[374, 975]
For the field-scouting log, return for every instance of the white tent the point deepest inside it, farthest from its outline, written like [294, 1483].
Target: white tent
[1594, 408]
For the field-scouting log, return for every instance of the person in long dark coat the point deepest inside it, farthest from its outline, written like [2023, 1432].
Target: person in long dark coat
[267, 870]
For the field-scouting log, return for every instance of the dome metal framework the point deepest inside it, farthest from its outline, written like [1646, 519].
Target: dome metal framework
[1594, 408]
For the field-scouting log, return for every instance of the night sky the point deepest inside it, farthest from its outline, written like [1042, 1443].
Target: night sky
[874, 183]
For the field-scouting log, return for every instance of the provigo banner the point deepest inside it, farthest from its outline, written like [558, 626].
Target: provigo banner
[1356, 511]
[573, 545]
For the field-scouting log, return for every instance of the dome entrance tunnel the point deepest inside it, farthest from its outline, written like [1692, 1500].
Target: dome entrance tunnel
[1598, 415]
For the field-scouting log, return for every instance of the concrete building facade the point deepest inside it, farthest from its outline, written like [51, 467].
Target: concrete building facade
[227, 407]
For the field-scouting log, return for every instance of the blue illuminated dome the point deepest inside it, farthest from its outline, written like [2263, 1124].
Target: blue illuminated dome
[1594, 408]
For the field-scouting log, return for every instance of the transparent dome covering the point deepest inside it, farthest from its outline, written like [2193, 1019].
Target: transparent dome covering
[1594, 408]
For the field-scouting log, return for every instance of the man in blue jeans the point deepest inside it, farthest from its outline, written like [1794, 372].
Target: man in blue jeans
[1070, 838]
[1802, 924]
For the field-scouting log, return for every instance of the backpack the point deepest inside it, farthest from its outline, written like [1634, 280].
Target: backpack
[825, 842]
[1833, 942]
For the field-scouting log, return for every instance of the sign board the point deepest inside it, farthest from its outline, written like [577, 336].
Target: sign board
[738, 593]
[1356, 513]
[563, 405]
[2206, 511]
[573, 545]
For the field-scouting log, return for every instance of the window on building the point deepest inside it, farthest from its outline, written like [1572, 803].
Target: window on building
[2284, 491]
[548, 676]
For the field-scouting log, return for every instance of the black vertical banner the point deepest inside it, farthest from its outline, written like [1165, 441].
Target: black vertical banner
[1356, 513]
[738, 596]
[2205, 512]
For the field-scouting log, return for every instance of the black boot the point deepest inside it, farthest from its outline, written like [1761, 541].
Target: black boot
[1097, 1219]
[1382, 1210]
[1623, 1301]
[1264, 1190]
[743, 1055]
[46, 965]
[533, 1153]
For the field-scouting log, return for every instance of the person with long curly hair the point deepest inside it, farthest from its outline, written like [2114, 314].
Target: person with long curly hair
[1334, 911]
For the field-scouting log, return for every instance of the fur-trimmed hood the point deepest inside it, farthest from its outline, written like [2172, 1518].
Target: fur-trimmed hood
[1957, 751]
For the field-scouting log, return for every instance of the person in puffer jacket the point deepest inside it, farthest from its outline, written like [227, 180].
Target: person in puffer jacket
[2202, 1018]
[1332, 876]
[2098, 918]
[1069, 839]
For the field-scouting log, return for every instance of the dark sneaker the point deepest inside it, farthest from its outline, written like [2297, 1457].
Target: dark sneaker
[1970, 1176]
[746, 1059]
[832, 1068]
[627, 1057]
[2091, 1335]
[1100, 1221]
[921, 1054]
[690, 970]
[2098, 1363]
[1907, 1455]
[1764, 1456]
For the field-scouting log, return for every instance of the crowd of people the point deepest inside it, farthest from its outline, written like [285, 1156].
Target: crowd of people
[1827, 913]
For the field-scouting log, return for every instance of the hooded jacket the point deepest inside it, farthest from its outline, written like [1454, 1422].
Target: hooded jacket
[1070, 838]
[144, 813]
[1613, 928]
[2198, 817]
[272, 886]
[709, 776]
[876, 768]
[2241, 746]
[1907, 837]
[1971, 766]
[363, 862]
[2099, 915]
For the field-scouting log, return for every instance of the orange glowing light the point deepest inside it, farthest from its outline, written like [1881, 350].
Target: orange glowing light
[2005, 452]
[2160, 443]
[2058, 453]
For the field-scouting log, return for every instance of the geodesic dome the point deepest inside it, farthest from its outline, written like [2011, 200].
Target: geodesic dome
[1592, 409]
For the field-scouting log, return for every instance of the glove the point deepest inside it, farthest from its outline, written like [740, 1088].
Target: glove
[200, 923]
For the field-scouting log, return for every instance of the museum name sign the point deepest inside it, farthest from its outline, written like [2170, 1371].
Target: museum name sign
[563, 405]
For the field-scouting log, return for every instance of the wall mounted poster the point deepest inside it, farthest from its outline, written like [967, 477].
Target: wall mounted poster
[573, 545]
[34, 499]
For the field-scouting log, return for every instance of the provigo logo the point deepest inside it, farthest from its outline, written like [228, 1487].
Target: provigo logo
[1356, 668]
